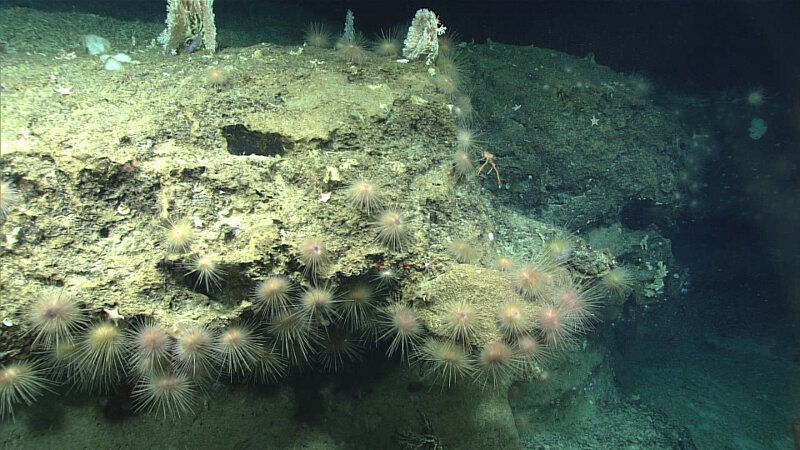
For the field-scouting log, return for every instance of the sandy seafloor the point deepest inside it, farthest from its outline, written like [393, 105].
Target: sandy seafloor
[658, 391]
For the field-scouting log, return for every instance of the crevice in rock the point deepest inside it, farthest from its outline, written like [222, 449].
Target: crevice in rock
[243, 141]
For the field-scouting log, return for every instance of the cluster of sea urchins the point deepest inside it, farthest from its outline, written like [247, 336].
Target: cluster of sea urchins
[170, 368]
[551, 307]
[316, 326]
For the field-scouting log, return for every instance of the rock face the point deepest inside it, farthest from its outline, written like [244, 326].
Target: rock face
[592, 140]
[257, 160]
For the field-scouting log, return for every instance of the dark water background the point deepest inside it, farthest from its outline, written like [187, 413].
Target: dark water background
[702, 45]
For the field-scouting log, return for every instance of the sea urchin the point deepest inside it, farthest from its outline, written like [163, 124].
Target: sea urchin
[20, 381]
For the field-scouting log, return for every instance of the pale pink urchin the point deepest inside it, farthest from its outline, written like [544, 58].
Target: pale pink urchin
[177, 235]
[534, 280]
[272, 295]
[531, 352]
[579, 304]
[100, 357]
[513, 320]
[313, 255]
[206, 270]
[403, 327]
[617, 282]
[150, 348]
[496, 363]
[446, 361]
[167, 393]
[357, 306]
[55, 317]
[237, 349]
[338, 348]
[555, 326]
[8, 197]
[365, 195]
[21, 381]
[461, 320]
[392, 229]
[194, 351]
[294, 334]
[317, 35]
[318, 304]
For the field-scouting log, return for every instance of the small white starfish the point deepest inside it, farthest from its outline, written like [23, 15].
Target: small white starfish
[64, 90]
[114, 315]
[595, 120]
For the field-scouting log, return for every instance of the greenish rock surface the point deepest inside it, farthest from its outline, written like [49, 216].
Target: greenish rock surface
[260, 162]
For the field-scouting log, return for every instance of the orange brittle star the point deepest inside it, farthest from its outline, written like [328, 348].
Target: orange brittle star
[488, 159]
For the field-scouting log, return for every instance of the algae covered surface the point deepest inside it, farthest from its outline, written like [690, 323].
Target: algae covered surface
[255, 147]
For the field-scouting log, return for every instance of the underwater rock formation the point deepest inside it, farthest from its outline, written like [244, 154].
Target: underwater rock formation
[167, 227]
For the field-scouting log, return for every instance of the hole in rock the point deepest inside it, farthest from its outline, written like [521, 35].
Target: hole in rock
[242, 141]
